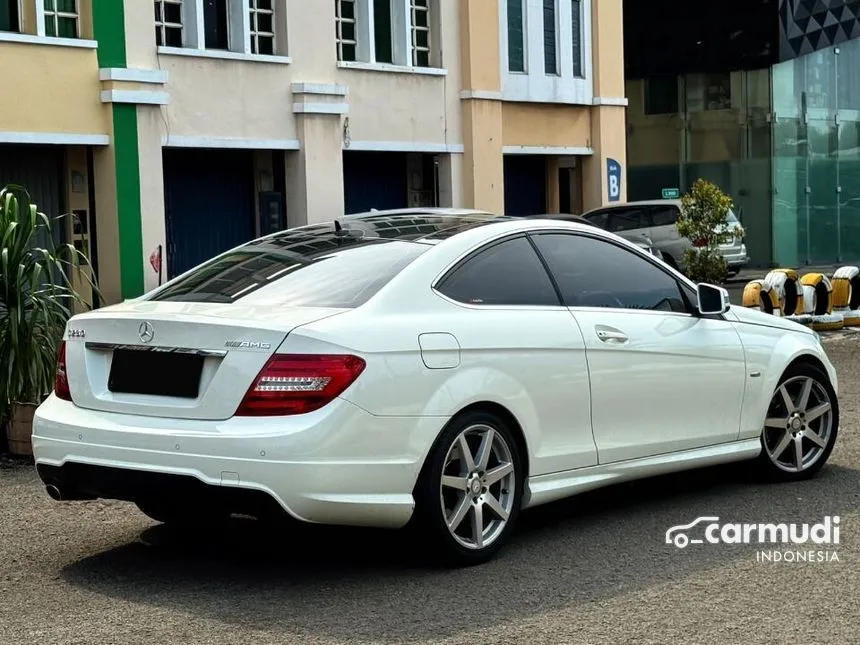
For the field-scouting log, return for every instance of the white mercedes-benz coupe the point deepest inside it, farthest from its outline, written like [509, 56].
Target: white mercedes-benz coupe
[437, 371]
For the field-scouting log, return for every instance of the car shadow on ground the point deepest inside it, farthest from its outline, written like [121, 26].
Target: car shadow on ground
[595, 546]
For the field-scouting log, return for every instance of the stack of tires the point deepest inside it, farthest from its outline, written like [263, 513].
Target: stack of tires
[813, 300]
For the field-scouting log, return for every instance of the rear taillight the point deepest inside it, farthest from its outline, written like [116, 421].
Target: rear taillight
[295, 384]
[700, 242]
[61, 378]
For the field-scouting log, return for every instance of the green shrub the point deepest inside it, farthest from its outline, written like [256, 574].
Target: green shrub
[35, 298]
[703, 220]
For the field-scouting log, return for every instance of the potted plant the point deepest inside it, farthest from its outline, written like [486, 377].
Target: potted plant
[35, 297]
[703, 220]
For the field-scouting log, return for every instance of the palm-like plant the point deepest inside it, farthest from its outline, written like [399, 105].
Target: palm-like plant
[36, 295]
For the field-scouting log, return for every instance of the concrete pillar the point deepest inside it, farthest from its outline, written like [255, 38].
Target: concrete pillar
[150, 133]
[107, 223]
[315, 172]
[451, 181]
[608, 117]
[553, 191]
[482, 163]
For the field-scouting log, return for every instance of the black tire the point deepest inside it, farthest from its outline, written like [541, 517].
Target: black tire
[429, 521]
[765, 464]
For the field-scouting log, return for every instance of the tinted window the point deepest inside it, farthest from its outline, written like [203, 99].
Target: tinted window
[304, 268]
[508, 273]
[664, 216]
[600, 220]
[627, 220]
[597, 273]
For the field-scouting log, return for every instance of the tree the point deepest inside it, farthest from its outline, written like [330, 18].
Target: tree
[703, 221]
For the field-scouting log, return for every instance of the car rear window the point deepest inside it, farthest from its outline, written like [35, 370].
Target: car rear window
[731, 218]
[305, 268]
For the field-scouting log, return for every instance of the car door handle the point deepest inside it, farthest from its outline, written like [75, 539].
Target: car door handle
[611, 335]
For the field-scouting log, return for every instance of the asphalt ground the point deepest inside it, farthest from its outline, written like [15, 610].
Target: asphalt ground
[593, 569]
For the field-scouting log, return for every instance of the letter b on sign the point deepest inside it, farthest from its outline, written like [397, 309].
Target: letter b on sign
[613, 176]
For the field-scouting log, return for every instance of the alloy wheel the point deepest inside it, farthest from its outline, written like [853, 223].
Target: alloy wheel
[799, 424]
[477, 488]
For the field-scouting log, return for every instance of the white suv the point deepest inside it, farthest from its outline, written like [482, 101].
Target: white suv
[656, 220]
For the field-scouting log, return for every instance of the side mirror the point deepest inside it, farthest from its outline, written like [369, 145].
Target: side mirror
[713, 300]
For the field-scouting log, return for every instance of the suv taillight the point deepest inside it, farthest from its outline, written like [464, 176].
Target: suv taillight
[298, 383]
[61, 378]
[700, 242]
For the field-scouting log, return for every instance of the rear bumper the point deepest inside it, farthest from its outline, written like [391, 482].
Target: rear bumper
[736, 257]
[339, 465]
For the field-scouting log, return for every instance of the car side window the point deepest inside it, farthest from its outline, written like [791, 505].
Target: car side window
[505, 273]
[591, 272]
[664, 216]
[627, 219]
[600, 219]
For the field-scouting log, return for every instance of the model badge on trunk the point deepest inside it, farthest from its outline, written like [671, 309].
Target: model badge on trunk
[246, 344]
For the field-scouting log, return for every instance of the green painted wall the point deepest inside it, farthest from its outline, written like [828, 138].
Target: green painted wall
[109, 31]
[128, 198]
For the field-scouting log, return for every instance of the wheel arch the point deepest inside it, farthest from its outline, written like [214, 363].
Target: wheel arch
[806, 359]
[490, 407]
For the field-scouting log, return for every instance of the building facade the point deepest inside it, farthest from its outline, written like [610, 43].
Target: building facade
[176, 129]
[763, 100]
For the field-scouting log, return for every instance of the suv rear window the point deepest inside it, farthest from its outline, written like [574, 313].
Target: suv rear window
[312, 267]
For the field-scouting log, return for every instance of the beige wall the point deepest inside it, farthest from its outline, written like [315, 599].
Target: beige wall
[532, 124]
[219, 98]
[479, 45]
[607, 29]
[56, 89]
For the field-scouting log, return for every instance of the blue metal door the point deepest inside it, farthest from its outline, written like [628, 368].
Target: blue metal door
[525, 185]
[209, 204]
[374, 180]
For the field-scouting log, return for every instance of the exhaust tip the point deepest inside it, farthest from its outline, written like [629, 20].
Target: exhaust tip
[54, 492]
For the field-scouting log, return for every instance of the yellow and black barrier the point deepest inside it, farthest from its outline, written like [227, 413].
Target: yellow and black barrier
[817, 292]
[813, 300]
[846, 295]
[759, 294]
[784, 283]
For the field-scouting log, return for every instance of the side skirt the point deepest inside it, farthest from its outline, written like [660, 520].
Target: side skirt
[556, 486]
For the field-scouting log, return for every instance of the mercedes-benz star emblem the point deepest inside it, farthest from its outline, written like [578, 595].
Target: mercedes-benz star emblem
[145, 332]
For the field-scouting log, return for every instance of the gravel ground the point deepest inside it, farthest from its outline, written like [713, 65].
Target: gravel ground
[590, 570]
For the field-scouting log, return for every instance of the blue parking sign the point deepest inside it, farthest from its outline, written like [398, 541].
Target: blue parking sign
[613, 175]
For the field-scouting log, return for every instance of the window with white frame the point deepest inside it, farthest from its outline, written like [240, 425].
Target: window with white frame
[252, 27]
[168, 23]
[576, 37]
[345, 29]
[550, 38]
[61, 18]
[420, 24]
[516, 32]
[262, 24]
[398, 32]
[548, 45]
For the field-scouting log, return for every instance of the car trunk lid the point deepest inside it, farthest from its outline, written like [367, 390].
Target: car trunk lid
[175, 359]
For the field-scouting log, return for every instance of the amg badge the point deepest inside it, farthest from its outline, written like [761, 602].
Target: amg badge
[246, 344]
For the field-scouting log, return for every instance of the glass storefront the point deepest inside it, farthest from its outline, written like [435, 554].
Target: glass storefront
[783, 142]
